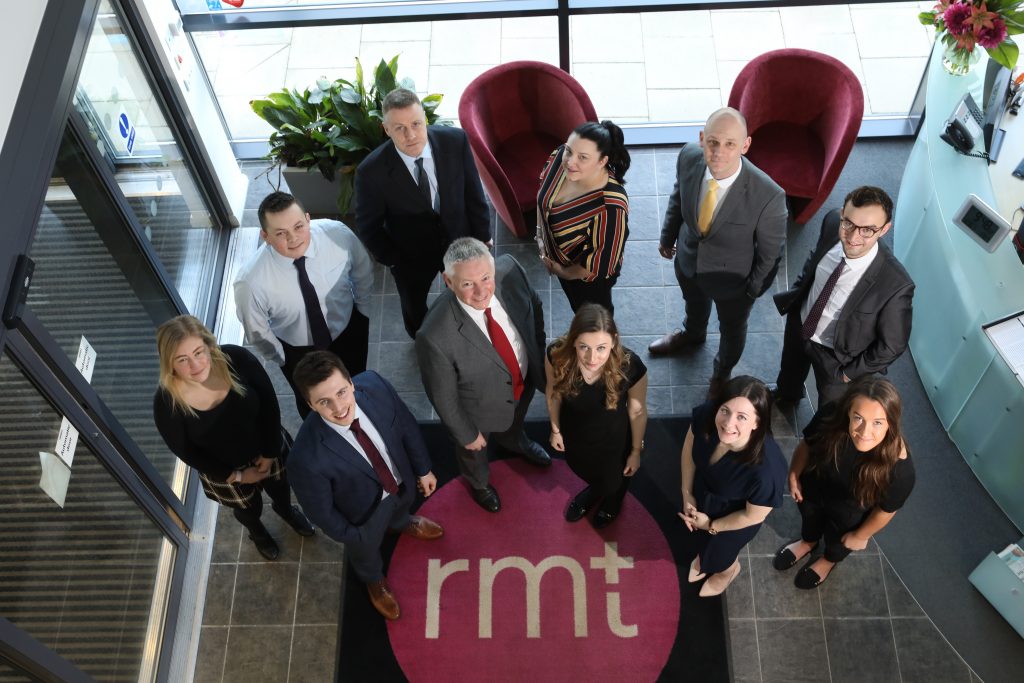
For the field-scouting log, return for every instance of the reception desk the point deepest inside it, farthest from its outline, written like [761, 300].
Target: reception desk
[961, 287]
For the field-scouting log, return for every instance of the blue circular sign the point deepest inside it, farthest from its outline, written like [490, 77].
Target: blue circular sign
[122, 123]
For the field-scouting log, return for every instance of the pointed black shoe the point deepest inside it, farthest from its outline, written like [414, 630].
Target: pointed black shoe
[296, 520]
[266, 545]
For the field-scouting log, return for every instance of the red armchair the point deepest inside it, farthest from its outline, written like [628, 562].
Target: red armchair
[515, 115]
[803, 111]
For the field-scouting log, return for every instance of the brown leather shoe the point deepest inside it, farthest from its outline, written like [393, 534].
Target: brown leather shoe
[675, 341]
[423, 528]
[383, 599]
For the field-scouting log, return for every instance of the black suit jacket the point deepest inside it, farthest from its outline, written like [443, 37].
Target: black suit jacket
[874, 326]
[741, 251]
[395, 221]
[335, 485]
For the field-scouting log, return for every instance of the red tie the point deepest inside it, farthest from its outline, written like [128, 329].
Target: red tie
[504, 349]
[387, 479]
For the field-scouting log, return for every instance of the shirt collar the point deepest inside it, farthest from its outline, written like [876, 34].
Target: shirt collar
[344, 429]
[859, 264]
[477, 314]
[409, 161]
[724, 182]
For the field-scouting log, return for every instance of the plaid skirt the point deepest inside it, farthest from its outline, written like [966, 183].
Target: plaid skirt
[243, 496]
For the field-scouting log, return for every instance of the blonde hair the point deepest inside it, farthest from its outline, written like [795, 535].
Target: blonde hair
[169, 337]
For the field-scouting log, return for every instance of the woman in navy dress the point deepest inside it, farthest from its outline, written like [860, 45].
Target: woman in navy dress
[733, 475]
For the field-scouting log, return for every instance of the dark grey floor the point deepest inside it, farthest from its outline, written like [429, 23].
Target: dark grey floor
[863, 625]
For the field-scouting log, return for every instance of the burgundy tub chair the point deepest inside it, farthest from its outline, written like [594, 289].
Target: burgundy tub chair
[515, 115]
[803, 111]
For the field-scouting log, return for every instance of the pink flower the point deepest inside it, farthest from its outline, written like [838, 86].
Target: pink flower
[991, 37]
[957, 18]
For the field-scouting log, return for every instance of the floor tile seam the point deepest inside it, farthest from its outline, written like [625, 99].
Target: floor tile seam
[295, 614]
[824, 635]
[223, 655]
[753, 611]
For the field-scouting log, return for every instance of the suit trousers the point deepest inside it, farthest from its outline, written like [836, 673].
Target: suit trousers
[599, 291]
[392, 514]
[799, 356]
[474, 465]
[351, 346]
[733, 312]
[413, 283]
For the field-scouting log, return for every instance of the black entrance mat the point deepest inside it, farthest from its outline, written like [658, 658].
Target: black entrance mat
[700, 651]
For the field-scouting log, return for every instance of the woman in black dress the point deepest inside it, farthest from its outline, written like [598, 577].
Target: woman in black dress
[582, 212]
[597, 399]
[849, 476]
[733, 476]
[217, 411]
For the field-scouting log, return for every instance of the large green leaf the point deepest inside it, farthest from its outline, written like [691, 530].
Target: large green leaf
[1005, 53]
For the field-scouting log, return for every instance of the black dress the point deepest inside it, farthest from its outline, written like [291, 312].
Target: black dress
[598, 440]
[727, 486]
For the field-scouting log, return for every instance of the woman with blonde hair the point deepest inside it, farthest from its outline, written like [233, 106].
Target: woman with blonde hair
[597, 399]
[216, 409]
[849, 476]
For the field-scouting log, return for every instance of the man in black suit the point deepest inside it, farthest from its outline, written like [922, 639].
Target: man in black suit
[849, 312]
[725, 226]
[415, 194]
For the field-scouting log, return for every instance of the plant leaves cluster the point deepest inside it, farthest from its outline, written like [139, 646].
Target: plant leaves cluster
[333, 125]
[1010, 11]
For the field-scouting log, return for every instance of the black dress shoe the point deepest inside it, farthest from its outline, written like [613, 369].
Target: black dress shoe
[487, 498]
[536, 455]
[266, 546]
[297, 521]
[674, 341]
[603, 518]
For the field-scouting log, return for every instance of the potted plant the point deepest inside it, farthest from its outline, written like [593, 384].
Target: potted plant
[962, 25]
[330, 128]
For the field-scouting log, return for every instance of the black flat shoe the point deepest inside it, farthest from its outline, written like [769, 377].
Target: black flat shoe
[296, 520]
[579, 506]
[603, 518]
[266, 546]
[487, 498]
[807, 578]
[784, 557]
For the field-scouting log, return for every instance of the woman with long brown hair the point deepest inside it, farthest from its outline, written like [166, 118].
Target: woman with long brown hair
[597, 399]
[217, 410]
[849, 476]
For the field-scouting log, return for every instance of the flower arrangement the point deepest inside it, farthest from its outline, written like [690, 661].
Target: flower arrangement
[965, 24]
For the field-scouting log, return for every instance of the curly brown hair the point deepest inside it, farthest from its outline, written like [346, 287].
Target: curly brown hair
[564, 363]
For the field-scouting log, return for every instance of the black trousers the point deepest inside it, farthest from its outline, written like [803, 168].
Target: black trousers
[733, 313]
[829, 523]
[799, 356]
[599, 291]
[281, 498]
[350, 346]
[413, 283]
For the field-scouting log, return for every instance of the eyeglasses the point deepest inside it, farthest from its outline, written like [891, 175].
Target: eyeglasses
[865, 231]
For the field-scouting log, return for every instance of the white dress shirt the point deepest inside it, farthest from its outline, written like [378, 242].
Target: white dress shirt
[825, 333]
[345, 432]
[269, 302]
[501, 317]
[723, 189]
[428, 165]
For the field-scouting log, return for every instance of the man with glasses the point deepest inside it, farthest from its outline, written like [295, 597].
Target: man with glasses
[849, 312]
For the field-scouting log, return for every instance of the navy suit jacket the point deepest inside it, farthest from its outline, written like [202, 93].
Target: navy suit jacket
[395, 221]
[335, 485]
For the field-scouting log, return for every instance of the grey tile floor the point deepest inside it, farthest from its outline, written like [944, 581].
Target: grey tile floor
[277, 621]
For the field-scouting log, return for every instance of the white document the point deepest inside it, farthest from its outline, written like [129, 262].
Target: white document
[86, 360]
[54, 478]
[1008, 338]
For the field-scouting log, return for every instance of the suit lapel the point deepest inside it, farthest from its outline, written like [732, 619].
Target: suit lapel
[866, 282]
[693, 184]
[473, 334]
[400, 177]
[338, 446]
[437, 155]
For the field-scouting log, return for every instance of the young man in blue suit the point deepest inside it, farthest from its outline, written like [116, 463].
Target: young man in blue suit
[354, 464]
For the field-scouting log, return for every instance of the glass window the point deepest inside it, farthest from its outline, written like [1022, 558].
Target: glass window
[10, 675]
[78, 575]
[131, 131]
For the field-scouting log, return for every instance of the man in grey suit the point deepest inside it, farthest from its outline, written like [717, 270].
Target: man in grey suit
[725, 226]
[849, 313]
[481, 357]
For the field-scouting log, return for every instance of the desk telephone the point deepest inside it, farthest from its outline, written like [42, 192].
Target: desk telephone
[963, 127]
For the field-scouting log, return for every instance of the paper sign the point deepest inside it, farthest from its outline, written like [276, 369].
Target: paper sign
[67, 440]
[86, 359]
[55, 477]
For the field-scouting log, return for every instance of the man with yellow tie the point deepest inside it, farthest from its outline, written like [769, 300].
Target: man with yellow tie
[725, 226]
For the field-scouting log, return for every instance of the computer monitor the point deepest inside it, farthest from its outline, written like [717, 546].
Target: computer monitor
[997, 85]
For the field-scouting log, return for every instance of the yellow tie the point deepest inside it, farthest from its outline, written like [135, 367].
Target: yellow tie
[707, 207]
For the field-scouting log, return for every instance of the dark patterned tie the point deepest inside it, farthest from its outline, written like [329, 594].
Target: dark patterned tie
[504, 349]
[387, 479]
[814, 315]
[423, 181]
[317, 322]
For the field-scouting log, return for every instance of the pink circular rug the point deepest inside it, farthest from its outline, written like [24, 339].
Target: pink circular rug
[523, 595]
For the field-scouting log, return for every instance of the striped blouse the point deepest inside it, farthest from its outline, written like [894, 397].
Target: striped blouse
[589, 230]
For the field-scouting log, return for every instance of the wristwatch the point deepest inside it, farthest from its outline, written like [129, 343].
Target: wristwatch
[711, 526]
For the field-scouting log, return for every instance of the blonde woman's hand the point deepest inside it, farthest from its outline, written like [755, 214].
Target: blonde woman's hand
[556, 442]
[632, 464]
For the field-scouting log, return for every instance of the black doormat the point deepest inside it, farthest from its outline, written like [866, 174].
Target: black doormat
[700, 649]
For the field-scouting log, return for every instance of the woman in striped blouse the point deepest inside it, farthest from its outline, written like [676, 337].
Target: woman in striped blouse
[582, 213]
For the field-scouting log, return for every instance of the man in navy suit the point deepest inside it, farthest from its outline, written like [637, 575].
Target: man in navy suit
[353, 466]
[415, 194]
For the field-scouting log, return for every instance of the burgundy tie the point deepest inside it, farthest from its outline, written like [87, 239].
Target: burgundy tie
[387, 479]
[814, 315]
[504, 349]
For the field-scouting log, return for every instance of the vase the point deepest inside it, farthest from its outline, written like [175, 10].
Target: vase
[959, 62]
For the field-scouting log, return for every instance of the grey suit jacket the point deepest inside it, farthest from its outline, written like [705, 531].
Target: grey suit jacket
[874, 326]
[465, 378]
[744, 243]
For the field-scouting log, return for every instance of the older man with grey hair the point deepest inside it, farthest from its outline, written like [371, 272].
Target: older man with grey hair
[481, 357]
